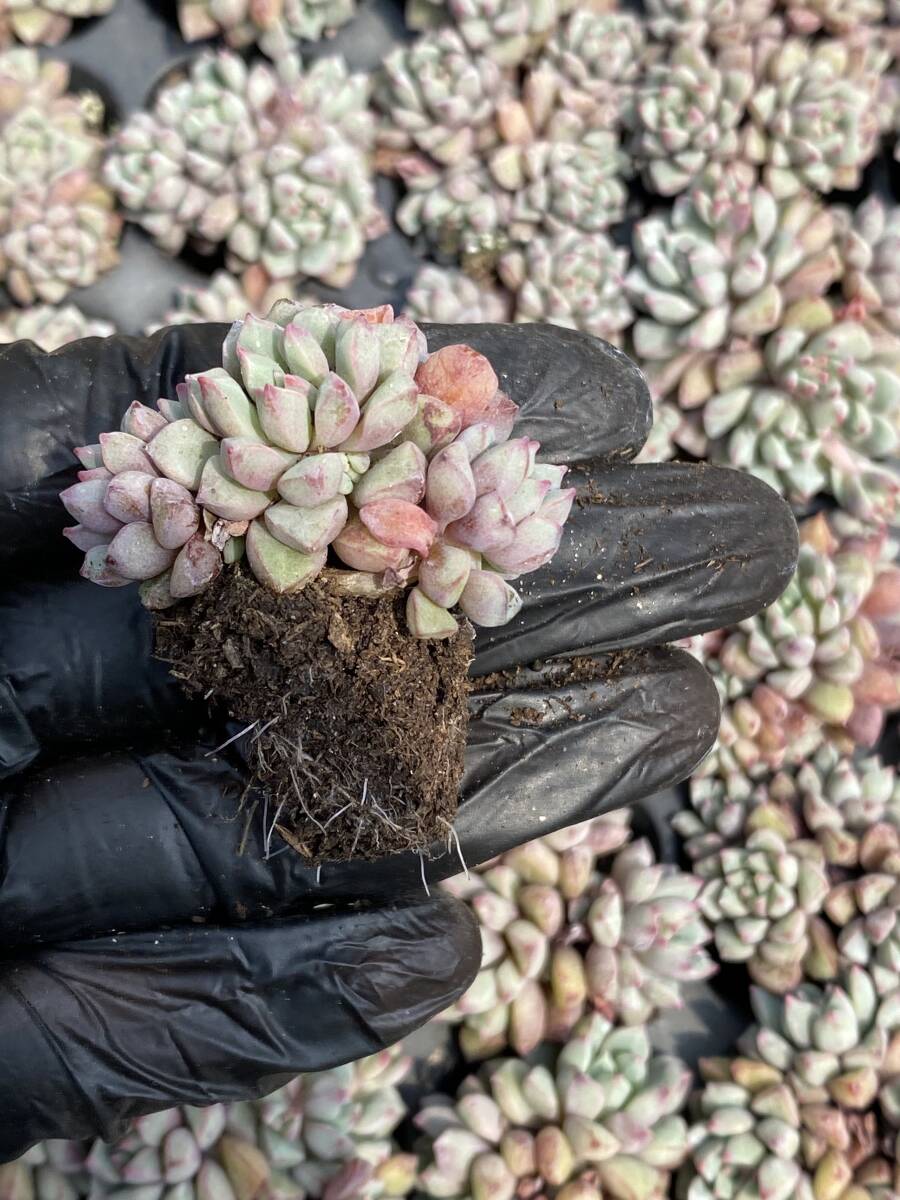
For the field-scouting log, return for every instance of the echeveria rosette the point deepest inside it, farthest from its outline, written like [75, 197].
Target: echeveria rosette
[716, 22]
[835, 797]
[330, 1133]
[601, 1119]
[720, 269]
[816, 409]
[758, 1132]
[45, 22]
[506, 30]
[596, 58]
[274, 25]
[50, 327]
[571, 279]
[838, 17]
[439, 98]
[685, 115]
[326, 427]
[532, 984]
[869, 245]
[449, 296]
[58, 227]
[813, 111]
[223, 300]
[763, 899]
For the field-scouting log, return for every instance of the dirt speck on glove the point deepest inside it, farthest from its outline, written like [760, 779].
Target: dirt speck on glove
[360, 728]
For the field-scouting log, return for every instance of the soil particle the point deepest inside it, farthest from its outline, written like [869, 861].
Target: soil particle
[359, 729]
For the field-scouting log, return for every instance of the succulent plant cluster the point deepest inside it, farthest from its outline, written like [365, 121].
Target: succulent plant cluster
[325, 429]
[58, 227]
[272, 161]
[563, 932]
[274, 25]
[45, 22]
[601, 1118]
[50, 327]
[328, 1134]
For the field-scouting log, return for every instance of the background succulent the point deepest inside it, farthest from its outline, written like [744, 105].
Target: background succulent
[718, 22]
[869, 245]
[45, 22]
[602, 1118]
[570, 279]
[274, 25]
[50, 327]
[58, 230]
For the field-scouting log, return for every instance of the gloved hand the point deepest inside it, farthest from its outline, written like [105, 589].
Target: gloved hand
[116, 816]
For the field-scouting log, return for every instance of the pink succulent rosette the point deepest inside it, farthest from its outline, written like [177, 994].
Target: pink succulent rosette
[328, 439]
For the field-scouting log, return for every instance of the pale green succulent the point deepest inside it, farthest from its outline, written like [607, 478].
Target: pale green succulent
[717, 22]
[817, 410]
[45, 22]
[763, 899]
[49, 327]
[450, 296]
[869, 244]
[274, 25]
[686, 114]
[724, 264]
[570, 279]
[601, 1118]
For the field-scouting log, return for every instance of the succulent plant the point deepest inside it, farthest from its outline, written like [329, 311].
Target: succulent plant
[532, 983]
[597, 58]
[717, 22]
[571, 279]
[54, 1168]
[272, 160]
[667, 424]
[45, 22]
[274, 25]
[439, 98]
[817, 409]
[223, 300]
[869, 245]
[58, 230]
[686, 114]
[761, 1131]
[329, 1134]
[601, 1118]
[49, 327]
[450, 296]
[831, 796]
[763, 899]
[828, 641]
[462, 211]
[721, 268]
[813, 111]
[838, 17]
[313, 406]
[506, 30]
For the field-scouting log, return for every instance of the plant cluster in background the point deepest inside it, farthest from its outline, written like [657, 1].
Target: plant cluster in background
[702, 182]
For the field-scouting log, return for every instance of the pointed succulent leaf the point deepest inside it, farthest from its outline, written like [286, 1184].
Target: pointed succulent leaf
[489, 600]
[309, 530]
[156, 594]
[181, 450]
[304, 355]
[534, 543]
[426, 619]
[434, 426]
[356, 356]
[197, 564]
[462, 378]
[123, 452]
[285, 416]
[134, 552]
[389, 409]
[336, 411]
[174, 515]
[443, 574]
[399, 523]
[450, 489]
[96, 568]
[278, 566]
[226, 498]
[227, 406]
[253, 464]
[487, 527]
[400, 475]
[503, 468]
[142, 422]
[85, 539]
[314, 480]
[128, 496]
[85, 502]
[356, 547]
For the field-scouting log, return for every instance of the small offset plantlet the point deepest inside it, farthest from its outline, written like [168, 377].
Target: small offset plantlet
[366, 488]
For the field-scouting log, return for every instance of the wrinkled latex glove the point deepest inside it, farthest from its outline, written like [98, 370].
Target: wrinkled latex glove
[118, 816]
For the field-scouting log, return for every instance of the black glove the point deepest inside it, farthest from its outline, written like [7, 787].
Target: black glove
[125, 821]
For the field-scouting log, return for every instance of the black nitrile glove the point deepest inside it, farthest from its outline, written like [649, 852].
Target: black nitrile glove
[124, 821]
